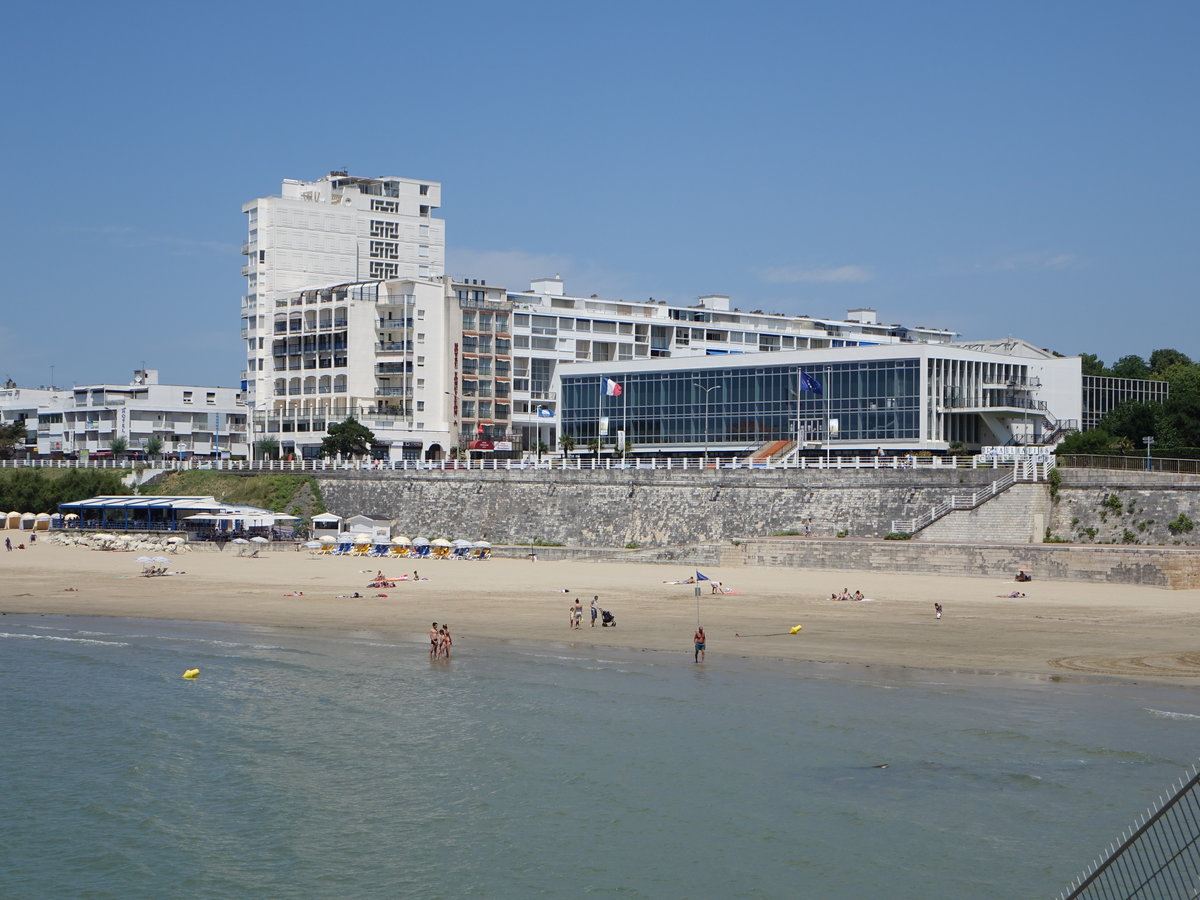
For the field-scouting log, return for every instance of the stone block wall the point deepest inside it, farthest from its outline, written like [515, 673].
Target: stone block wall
[1154, 566]
[647, 508]
[1095, 506]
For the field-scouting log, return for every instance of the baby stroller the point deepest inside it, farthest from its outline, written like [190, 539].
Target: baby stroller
[607, 619]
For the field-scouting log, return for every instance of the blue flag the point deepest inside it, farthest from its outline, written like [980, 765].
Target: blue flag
[808, 383]
[700, 576]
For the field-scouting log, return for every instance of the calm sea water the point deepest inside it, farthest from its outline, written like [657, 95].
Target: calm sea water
[345, 765]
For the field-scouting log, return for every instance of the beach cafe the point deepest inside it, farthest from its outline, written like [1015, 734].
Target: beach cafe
[204, 518]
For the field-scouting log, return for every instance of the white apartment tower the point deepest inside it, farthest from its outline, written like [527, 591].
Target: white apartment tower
[338, 229]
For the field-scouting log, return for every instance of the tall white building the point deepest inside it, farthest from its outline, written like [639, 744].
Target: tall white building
[338, 229]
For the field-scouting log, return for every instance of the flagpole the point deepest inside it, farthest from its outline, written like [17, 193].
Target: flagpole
[799, 387]
[825, 391]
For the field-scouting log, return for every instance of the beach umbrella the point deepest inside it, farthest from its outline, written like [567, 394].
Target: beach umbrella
[259, 539]
[482, 544]
[441, 542]
[327, 539]
[240, 541]
[313, 545]
[159, 559]
[144, 559]
[420, 542]
[401, 541]
[460, 543]
[362, 538]
[382, 539]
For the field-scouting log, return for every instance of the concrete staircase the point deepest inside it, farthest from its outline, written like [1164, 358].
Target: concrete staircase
[1018, 515]
[770, 450]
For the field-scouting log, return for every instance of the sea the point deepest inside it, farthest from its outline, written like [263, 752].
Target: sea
[304, 764]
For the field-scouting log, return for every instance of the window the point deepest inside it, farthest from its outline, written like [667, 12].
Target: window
[187, 396]
[390, 206]
[383, 270]
[423, 250]
[385, 250]
[210, 398]
[424, 190]
[468, 319]
[420, 406]
[381, 229]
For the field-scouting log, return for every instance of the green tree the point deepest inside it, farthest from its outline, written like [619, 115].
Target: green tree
[348, 438]
[118, 446]
[154, 446]
[567, 443]
[539, 448]
[1131, 366]
[1161, 360]
[594, 445]
[1092, 364]
[268, 448]
[12, 438]
[1095, 441]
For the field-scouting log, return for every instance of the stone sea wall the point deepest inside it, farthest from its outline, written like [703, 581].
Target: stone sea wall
[648, 508]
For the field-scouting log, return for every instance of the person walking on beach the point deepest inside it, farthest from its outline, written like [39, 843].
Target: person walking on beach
[576, 614]
[699, 641]
[434, 640]
[595, 608]
[8, 544]
[937, 610]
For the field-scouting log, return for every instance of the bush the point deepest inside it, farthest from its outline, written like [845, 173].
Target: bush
[1182, 525]
[1113, 502]
[898, 536]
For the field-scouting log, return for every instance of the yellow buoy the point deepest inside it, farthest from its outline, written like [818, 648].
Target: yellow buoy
[796, 629]
[191, 673]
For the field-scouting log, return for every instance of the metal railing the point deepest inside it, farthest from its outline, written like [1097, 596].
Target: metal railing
[583, 461]
[1157, 858]
[1022, 470]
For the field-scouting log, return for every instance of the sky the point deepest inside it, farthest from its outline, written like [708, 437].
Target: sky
[1016, 169]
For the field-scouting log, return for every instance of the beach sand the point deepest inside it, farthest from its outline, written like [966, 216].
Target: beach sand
[1059, 629]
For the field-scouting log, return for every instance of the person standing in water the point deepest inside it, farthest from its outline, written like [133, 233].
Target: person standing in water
[700, 642]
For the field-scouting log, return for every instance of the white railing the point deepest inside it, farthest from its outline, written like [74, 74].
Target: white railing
[1026, 470]
[555, 463]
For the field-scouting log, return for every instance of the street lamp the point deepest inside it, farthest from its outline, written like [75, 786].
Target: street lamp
[707, 391]
[1149, 442]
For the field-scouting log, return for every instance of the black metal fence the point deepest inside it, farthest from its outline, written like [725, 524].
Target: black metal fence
[1158, 858]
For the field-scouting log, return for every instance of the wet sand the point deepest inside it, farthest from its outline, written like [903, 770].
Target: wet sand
[1059, 629]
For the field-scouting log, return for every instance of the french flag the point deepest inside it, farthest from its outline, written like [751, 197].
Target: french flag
[611, 388]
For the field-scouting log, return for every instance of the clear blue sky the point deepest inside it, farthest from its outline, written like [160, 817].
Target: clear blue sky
[1007, 169]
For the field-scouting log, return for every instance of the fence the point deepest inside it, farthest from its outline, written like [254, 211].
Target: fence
[548, 463]
[1156, 859]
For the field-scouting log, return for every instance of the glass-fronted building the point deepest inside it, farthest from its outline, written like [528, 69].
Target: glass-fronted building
[850, 400]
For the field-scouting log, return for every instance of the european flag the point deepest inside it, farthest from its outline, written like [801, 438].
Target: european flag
[808, 383]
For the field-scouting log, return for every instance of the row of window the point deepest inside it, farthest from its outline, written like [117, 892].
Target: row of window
[871, 401]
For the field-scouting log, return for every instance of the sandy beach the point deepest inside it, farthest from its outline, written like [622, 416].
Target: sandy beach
[1057, 630]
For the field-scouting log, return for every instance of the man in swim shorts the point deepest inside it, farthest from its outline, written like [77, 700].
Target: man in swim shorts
[434, 641]
[595, 608]
[699, 641]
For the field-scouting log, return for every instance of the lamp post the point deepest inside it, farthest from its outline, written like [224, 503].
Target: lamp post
[1149, 442]
[707, 391]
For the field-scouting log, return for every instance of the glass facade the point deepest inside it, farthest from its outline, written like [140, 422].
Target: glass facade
[866, 401]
